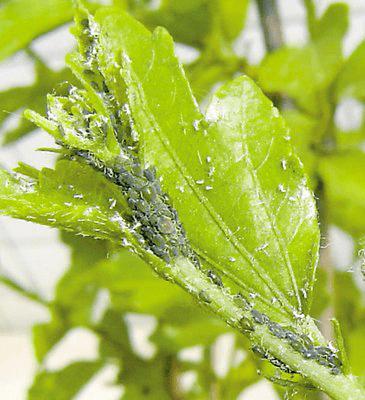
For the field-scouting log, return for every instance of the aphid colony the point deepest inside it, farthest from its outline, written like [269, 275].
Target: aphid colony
[152, 219]
[84, 126]
[300, 343]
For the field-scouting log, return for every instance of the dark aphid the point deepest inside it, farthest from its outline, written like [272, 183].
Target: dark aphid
[323, 351]
[276, 330]
[334, 360]
[174, 251]
[132, 202]
[109, 173]
[279, 364]
[204, 296]
[137, 170]
[158, 251]
[322, 361]
[132, 194]
[259, 351]
[335, 371]
[291, 336]
[310, 353]
[150, 174]
[138, 183]
[259, 317]
[166, 257]
[154, 219]
[142, 206]
[158, 240]
[215, 278]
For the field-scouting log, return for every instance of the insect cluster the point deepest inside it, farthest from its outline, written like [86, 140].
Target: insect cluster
[88, 122]
[301, 343]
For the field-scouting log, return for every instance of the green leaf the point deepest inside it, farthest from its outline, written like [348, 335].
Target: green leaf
[147, 379]
[21, 22]
[343, 177]
[46, 335]
[351, 79]
[72, 197]
[301, 73]
[193, 21]
[63, 384]
[268, 244]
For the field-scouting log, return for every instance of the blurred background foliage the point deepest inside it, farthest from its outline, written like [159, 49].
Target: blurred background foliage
[104, 286]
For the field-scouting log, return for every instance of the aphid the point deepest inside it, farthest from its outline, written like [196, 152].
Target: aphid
[204, 296]
[142, 206]
[137, 170]
[132, 194]
[259, 351]
[85, 23]
[149, 193]
[258, 317]
[276, 330]
[166, 226]
[323, 351]
[335, 371]
[310, 353]
[132, 202]
[150, 174]
[166, 257]
[215, 278]
[158, 251]
[334, 360]
[158, 240]
[291, 336]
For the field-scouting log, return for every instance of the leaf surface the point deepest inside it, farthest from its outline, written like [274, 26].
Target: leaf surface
[63, 384]
[22, 21]
[302, 72]
[234, 179]
[72, 197]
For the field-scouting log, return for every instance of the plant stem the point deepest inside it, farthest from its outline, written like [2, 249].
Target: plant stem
[270, 22]
[273, 36]
[339, 387]
[24, 292]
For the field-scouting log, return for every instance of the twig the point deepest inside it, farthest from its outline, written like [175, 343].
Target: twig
[271, 25]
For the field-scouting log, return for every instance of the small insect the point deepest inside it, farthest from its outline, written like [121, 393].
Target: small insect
[259, 317]
[204, 296]
[216, 279]
[276, 330]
